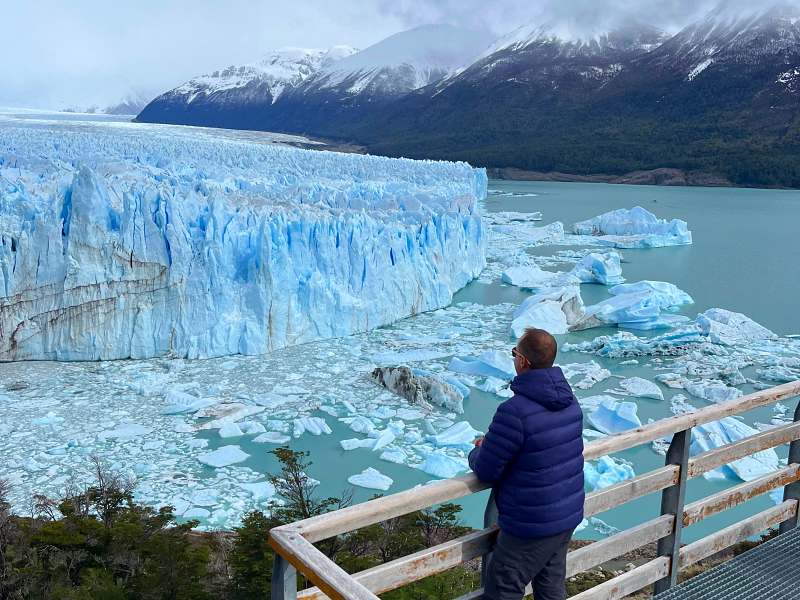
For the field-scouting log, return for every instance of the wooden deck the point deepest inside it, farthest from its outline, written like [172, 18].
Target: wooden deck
[294, 543]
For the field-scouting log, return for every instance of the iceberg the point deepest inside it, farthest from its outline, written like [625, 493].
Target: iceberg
[532, 277]
[589, 372]
[603, 268]
[223, 457]
[728, 430]
[606, 471]
[625, 344]
[271, 437]
[637, 306]
[422, 390]
[354, 443]
[665, 295]
[140, 244]
[554, 310]
[492, 363]
[730, 328]
[312, 425]
[443, 465]
[260, 490]
[180, 402]
[641, 388]
[461, 434]
[614, 417]
[713, 391]
[372, 479]
[635, 228]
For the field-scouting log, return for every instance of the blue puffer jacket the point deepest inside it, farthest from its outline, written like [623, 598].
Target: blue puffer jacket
[533, 456]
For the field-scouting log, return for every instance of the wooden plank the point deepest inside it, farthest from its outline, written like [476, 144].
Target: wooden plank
[697, 511]
[667, 427]
[422, 564]
[628, 583]
[388, 507]
[703, 548]
[630, 489]
[707, 461]
[321, 570]
[616, 545]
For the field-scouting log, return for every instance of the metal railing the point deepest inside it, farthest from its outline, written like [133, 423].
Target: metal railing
[294, 543]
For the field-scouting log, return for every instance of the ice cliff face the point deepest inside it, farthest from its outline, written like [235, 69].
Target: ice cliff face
[140, 245]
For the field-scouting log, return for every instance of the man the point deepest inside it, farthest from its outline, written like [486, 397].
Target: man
[533, 457]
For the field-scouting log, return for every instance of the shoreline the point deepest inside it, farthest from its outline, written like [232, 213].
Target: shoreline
[664, 176]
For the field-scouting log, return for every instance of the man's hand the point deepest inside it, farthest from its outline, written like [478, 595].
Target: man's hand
[478, 442]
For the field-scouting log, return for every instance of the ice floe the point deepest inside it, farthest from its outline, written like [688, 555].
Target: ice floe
[613, 417]
[461, 434]
[589, 373]
[421, 388]
[554, 310]
[223, 457]
[372, 479]
[492, 363]
[641, 388]
[443, 465]
[598, 267]
[606, 471]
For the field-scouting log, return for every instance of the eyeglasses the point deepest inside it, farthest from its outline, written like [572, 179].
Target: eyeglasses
[516, 353]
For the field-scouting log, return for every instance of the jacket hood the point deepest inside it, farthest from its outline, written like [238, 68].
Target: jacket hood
[547, 387]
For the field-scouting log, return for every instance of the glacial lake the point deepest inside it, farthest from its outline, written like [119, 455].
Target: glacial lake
[53, 416]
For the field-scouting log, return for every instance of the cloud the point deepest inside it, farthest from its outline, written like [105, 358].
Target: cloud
[85, 52]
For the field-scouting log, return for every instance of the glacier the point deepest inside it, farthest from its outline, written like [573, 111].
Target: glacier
[132, 244]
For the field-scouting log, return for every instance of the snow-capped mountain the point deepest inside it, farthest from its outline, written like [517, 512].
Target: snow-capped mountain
[292, 81]
[721, 96]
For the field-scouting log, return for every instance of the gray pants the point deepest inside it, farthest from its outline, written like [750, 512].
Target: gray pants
[516, 562]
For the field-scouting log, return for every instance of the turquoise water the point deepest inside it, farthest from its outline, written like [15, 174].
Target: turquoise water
[745, 257]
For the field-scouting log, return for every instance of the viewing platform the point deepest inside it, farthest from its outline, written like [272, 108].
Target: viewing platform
[294, 543]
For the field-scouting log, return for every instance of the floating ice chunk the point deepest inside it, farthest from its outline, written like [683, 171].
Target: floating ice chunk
[196, 513]
[372, 479]
[606, 471]
[222, 457]
[271, 437]
[679, 405]
[613, 417]
[779, 374]
[359, 424]
[125, 431]
[731, 328]
[635, 309]
[492, 363]
[251, 427]
[728, 430]
[230, 430]
[589, 372]
[423, 390]
[554, 310]
[409, 414]
[664, 294]
[312, 425]
[460, 434]
[354, 443]
[261, 490]
[641, 388]
[592, 402]
[713, 391]
[50, 419]
[598, 267]
[625, 344]
[205, 497]
[179, 402]
[493, 385]
[226, 413]
[635, 228]
[385, 437]
[532, 277]
[442, 465]
[394, 455]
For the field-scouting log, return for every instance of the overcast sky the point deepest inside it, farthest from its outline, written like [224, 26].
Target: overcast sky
[59, 53]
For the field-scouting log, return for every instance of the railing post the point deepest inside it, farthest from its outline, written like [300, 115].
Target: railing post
[792, 491]
[284, 580]
[490, 515]
[672, 503]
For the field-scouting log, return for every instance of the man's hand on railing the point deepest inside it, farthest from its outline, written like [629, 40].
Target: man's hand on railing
[478, 442]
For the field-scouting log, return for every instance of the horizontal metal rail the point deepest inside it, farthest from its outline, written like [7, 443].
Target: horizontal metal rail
[294, 542]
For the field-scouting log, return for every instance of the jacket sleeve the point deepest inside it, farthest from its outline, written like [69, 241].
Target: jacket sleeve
[501, 445]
